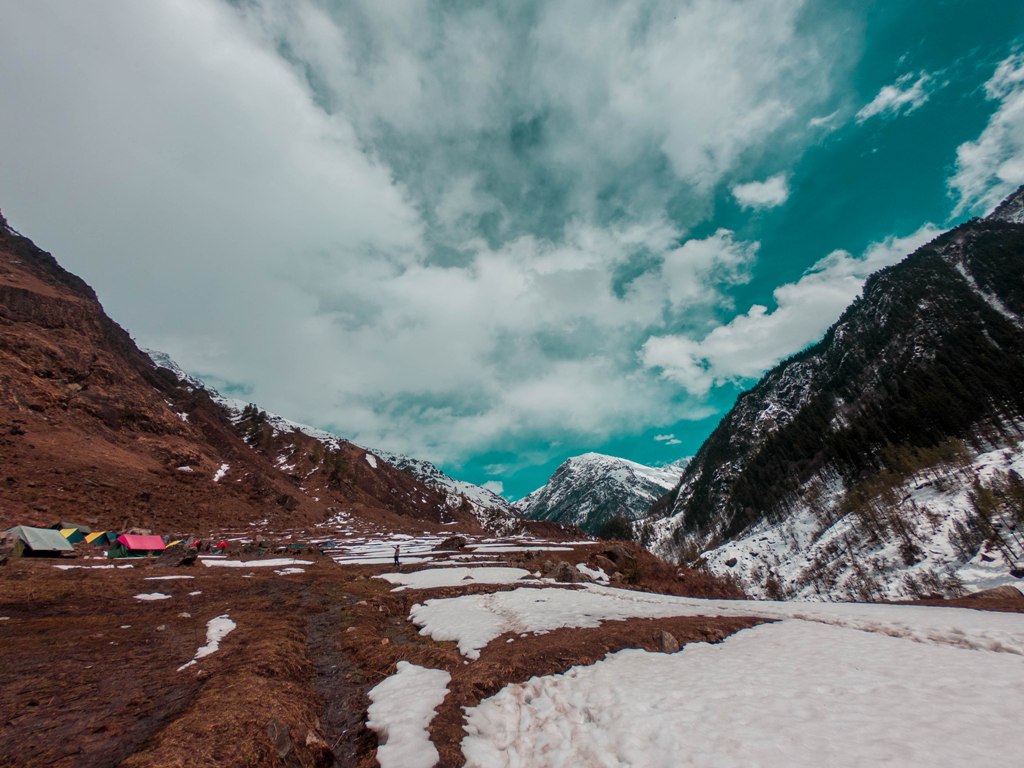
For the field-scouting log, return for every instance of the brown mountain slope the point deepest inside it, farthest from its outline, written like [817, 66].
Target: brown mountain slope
[91, 430]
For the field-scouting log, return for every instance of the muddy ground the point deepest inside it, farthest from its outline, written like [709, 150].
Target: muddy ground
[90, 674]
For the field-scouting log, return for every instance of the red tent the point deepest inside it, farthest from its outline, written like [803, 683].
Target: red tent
[134, 543]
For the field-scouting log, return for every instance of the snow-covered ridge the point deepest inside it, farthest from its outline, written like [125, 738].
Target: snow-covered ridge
[590, 489]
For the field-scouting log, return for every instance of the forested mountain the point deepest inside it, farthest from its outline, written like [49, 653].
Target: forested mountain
[840, 470]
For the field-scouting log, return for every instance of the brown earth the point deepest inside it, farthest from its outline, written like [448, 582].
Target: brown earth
[92, 431]
[90, 673]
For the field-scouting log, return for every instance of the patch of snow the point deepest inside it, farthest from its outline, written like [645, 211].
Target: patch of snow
[597, 574]
[197, 592]
[371, 460]
[272, 563]
[167, 578]
[289, 571]
[219, 474]
[185, 469]
[216, 630]
[473, 621]
[453, 577]
[70, 567]
[788, 694]
[400, 712]
[152, 596]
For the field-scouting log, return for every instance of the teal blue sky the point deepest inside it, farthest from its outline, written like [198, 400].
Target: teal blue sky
[496, 235]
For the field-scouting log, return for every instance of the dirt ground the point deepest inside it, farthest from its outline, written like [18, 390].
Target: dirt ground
[90, 674]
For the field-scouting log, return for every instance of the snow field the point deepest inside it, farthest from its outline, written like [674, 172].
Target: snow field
[453, 577]
[272, 563]
[787, 694]
[400, 712]
[473, 621]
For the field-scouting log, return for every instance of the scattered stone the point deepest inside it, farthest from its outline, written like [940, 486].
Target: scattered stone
[668, 642]
[563, 572]
[280, 737]
[731, 562]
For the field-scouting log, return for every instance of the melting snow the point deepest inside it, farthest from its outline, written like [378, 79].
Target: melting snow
[216, 630]
[221, 472]
[152, 596]
[453, 577]
[289, 571]
[787, 694]
[272, 563]
[597, 574]
[474, 620]
[400, 713]
[167, 578]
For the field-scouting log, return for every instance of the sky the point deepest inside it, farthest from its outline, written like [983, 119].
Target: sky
[495, 235]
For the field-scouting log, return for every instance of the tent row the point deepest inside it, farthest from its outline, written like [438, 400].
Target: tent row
[27, 541]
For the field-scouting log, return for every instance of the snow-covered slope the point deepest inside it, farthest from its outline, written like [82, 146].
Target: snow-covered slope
[492, 510]
[871, 464]
[589, 490]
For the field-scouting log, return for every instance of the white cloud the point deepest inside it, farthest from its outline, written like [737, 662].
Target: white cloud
[494, 486]
[663, 438]
[991, 167]
[697, 271]
[902, 97]
[769, 193]
[750, 344]
[308, 224]
[828, 122]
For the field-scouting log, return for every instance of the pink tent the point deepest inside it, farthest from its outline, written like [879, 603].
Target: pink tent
[135, 543]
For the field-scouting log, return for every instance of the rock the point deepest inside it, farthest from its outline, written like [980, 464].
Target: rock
[606, 565]
[668, 642]
[279, 737]
[1005, 592]
[452, 542]
[619, 555]
[563, 572]
[731, 562]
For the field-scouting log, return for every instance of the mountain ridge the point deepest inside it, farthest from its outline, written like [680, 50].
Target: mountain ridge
[591, 489]
[925, 365]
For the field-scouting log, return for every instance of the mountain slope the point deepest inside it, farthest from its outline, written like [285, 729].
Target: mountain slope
[92, 430]
[591, 489]
[917, 380]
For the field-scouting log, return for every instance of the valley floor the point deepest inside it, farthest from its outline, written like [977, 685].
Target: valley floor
[469, 657]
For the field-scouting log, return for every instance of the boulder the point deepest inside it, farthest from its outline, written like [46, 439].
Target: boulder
[668, 643]
[619, 555]
[452, 542]
[563, 572]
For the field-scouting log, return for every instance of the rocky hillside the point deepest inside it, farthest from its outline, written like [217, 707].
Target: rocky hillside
[882, 461]
[92, 430]
[590, 490]
[320, 460]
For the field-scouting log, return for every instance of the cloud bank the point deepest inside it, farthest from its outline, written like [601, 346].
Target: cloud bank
[435, 229]
[753, 342]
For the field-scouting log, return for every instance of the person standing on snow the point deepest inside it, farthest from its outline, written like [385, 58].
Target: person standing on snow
[397, 553]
